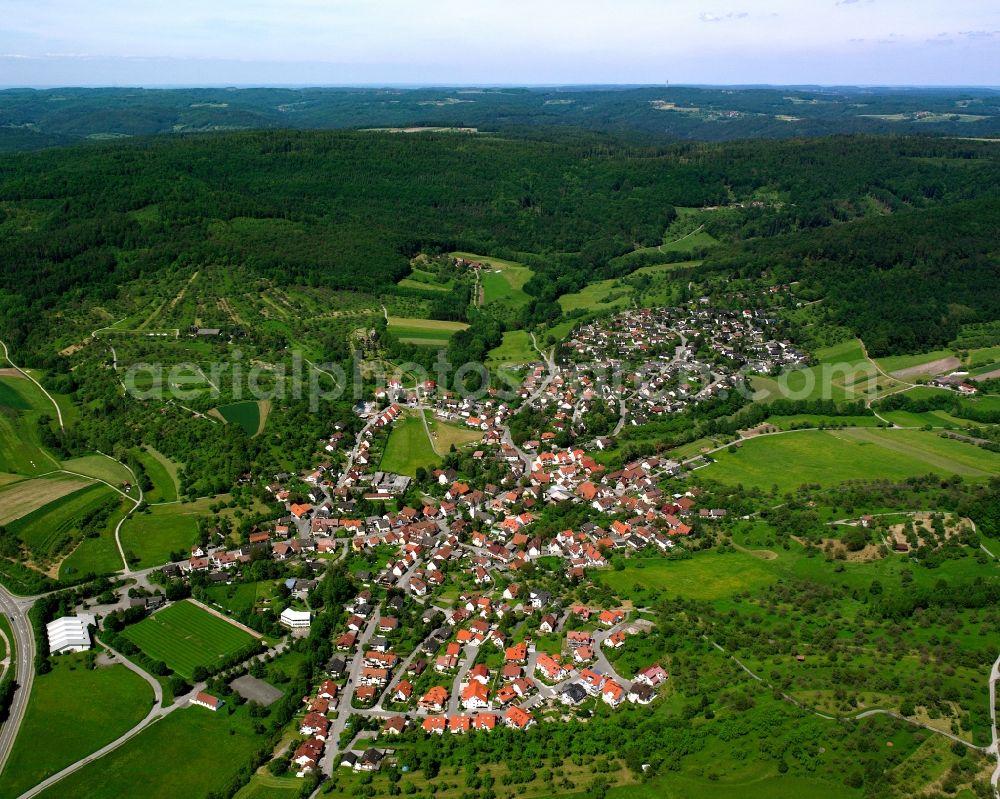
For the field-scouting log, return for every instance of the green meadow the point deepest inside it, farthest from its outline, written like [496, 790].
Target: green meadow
[827, 457]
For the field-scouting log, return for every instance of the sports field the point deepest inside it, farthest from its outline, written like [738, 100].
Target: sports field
[184, 636]
[827, 457]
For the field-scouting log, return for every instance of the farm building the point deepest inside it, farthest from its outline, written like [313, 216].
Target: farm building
[202, 699]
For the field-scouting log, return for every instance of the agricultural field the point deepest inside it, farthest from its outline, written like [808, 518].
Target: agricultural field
[49, 530]
[935, 361]
[100, 467]
[830, 457]
[25, 496]
[211, 748]
[429, 332]
[422, 280]
[73, 711]
[162, 472]
[408, 448]
[185, 636]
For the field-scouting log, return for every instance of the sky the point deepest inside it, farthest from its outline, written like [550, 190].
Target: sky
[522, 42]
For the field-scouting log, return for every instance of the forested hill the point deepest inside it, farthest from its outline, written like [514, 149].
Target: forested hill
[41, 118]
[348, 209]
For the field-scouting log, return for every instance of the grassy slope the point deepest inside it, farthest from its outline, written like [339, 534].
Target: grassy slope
[96, 555]
[73, 712]
[21, 498]
[101, 467]
[164, 483]
[44, 529]
[192, 752]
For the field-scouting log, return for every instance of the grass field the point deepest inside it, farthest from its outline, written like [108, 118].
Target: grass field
[21, 406]
[504, 285]
[843, 373]
[267, 786]
[73, 711]
[830, 457]
[659, 269]
[600, 296]
[13, 394]
[244, 414]
[514, 349]
[429, 332]
[162, 472]
[166, 528]
[101, 467]
[241, 596]
[49, 529]
[96, 555]
[445, 434]
[408, 448]
[21, 498]
[192, 752]
[184, 636]
[704, 576]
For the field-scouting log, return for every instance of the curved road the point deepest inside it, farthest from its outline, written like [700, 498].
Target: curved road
[16, 609]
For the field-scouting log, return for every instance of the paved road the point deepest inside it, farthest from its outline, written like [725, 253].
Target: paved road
[16, 609]
[344, 709]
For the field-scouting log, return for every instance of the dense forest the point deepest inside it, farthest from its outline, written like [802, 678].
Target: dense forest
[348, 210]
[39, 118]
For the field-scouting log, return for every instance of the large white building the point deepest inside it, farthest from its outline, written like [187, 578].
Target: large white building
[70, 633]
[295, 618]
